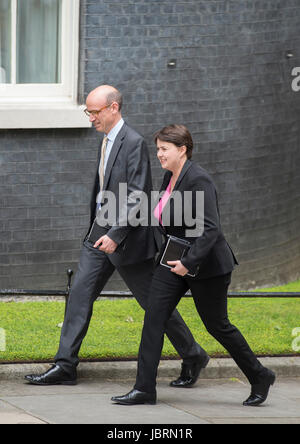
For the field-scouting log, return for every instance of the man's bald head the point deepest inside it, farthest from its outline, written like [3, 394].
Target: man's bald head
[107, 94]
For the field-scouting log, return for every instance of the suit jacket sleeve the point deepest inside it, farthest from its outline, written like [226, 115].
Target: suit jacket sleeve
[204, 243]
[138, 184]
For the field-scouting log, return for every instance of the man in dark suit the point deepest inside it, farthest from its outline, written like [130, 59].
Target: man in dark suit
[123, 159]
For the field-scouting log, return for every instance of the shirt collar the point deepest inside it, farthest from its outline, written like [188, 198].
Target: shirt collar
[115, 130]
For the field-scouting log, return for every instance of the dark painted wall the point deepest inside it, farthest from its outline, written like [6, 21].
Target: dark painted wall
[231, 87]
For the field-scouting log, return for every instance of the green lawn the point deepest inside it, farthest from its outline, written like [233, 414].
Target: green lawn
[32, 332]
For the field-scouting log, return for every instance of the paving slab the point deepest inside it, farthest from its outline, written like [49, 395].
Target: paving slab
[10, 414]
[211, 401]
[88, 403]
[223, 400]
[216, 399]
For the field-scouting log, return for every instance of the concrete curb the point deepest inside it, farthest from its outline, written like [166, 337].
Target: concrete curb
[216, 369]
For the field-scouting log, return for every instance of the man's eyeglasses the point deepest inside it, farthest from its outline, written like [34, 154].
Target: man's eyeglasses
[95, 112]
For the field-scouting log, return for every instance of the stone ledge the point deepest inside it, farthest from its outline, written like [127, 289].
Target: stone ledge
[120, 370]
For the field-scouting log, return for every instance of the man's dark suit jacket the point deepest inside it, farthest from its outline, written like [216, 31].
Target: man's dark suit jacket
[128, 163]
[210, 254]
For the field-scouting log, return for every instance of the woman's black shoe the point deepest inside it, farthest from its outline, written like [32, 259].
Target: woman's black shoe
[55, 376]
[259, 392]
[135, 397]
[190, 373]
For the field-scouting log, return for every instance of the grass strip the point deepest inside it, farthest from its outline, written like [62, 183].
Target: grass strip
[32, 332]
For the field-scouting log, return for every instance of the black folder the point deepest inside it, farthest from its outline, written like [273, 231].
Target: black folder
[175, 250]
[96, 232]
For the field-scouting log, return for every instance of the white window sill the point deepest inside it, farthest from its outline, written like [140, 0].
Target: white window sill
[48, 114]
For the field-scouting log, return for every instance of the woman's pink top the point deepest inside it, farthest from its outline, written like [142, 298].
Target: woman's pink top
[162, 203]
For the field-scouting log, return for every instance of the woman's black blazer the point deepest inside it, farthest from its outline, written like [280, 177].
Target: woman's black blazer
[210, 254]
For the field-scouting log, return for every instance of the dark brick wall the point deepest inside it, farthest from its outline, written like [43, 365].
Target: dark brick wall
[231, 87]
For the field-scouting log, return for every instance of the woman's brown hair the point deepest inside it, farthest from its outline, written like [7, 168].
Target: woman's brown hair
[179, 135]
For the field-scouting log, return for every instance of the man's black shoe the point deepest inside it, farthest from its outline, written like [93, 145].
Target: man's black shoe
[135, 397]
[190, 373]
[55, 376]
[260, 391]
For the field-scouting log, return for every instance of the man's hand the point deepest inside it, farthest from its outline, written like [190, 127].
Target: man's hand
[178, 268]
[106, 244]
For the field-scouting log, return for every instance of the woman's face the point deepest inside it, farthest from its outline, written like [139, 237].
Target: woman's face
[170, 156]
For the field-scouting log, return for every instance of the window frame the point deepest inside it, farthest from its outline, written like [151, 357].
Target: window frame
[47, 105]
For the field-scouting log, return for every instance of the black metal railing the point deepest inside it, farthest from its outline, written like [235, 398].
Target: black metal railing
[128, 294]
[40, 293]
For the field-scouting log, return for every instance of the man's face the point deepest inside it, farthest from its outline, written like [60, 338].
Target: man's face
[102, 116]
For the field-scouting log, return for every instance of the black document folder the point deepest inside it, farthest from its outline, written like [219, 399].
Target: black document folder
[96, 232]
[175, 250]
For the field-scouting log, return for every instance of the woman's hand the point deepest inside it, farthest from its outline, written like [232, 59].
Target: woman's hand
[178, 268]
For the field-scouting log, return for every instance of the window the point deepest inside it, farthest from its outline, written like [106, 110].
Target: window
[39, 41]
[5, 40]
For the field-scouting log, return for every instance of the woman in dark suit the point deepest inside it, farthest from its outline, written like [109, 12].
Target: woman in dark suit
[209, 257]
